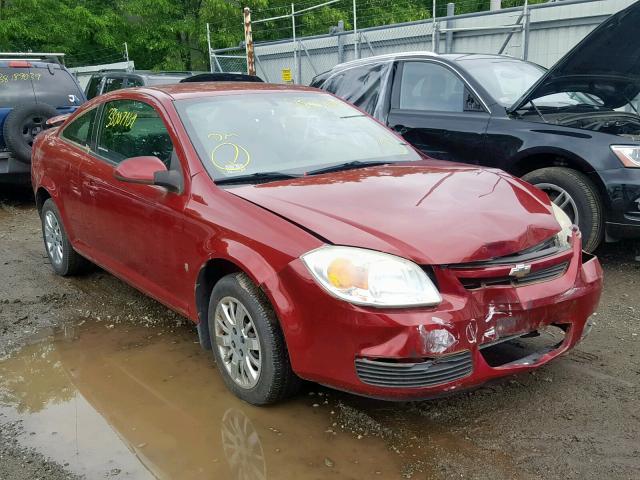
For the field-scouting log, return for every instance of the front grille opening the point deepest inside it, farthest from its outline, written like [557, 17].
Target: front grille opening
[427, 373]
[523, 349]
[541, 275]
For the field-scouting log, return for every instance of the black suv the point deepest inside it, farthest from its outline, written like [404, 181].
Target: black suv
[33, 88]
[573, 131]
[104, 82]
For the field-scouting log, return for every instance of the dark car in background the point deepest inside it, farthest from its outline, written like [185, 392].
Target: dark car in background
[108, 81]
[573, 131]
[222, 77]
[104, 82]
[33, 88]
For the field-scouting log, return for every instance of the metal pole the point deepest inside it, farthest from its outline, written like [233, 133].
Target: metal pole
[209, 47]
[525, 30]
[126, 54]
[248, 42]
[448, 38]
[433, 27]
[356, 53]
[295, 45]
[339, 31]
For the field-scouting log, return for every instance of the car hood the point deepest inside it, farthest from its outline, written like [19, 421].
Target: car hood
[429, 212]
[606, 63]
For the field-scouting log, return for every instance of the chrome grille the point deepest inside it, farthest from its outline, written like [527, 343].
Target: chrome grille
[541, 275]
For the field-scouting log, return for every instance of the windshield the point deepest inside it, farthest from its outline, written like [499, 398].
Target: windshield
[507, 80]
[292, 132]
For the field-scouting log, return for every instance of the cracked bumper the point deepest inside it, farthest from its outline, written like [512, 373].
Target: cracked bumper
[328, 338]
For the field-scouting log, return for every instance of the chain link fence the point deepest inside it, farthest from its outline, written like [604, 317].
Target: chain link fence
[293, 44]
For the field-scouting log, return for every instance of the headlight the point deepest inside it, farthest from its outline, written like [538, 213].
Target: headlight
[565, 224]
[366, 277]
[628, 155]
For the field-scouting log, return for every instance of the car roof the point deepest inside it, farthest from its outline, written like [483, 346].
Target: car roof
[424, 54]
[205, 89]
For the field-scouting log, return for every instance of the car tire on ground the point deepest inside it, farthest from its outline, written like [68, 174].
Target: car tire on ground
[248, 344]
[577, 195]
[64, 259]
[22, 125]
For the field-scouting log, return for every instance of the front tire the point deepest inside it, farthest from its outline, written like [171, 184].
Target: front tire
[64, 259]
[577, 196]
[248, 344]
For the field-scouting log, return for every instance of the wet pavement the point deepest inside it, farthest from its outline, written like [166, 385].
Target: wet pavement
[99, 381]
[146, 403]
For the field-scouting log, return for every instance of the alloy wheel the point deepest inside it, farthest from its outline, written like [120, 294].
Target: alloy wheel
[53, 238]
[237, 341]
[562, 199]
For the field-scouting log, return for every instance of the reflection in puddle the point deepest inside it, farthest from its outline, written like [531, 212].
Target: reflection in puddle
[134, 402]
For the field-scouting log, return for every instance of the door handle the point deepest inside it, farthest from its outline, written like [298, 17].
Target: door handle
[401, 129]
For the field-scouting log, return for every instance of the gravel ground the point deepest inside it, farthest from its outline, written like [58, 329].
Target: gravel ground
[578, 417]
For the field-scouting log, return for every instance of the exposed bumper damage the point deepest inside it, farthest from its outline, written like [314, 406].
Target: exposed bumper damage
[423, 353]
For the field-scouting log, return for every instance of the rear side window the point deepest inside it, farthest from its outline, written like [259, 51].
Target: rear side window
[134, 82]
[79, 131]
[130, 128]
[113, 83]
[92, 87]
[360, 86]
[16, 86]
[334, 82]
[432, 87]
[56, 87]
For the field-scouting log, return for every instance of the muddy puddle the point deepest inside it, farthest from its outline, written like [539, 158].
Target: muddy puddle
[133, 402]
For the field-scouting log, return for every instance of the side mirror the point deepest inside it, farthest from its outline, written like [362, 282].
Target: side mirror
[148, 171]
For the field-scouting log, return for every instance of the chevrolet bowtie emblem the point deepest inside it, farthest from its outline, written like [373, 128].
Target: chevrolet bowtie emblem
[520, 270]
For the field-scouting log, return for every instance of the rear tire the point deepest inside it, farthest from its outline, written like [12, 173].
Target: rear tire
[64, 259]
[573, 191]
[248, 344]
[22, 125]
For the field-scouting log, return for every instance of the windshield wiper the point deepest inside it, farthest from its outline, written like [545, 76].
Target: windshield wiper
[256, 177]
[347, 166]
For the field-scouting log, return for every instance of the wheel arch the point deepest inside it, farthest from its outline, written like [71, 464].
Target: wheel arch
[42, 194]
[240, 259]
[537, 158]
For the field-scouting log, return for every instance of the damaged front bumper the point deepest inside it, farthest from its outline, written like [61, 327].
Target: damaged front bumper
[425, 352]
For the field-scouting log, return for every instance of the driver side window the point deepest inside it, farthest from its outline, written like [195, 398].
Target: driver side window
[129, 128]
[432, 87]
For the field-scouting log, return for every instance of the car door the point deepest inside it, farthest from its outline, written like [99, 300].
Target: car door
[73, 152]
[135, 229]
[436, 111]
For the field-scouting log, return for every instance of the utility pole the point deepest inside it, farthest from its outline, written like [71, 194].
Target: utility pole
[248, 42]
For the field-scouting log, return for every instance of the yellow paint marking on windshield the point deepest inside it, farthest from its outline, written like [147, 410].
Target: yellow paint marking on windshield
[237, 157]
[229, 156]
[324, 103]
[119, 118]
[219, 137]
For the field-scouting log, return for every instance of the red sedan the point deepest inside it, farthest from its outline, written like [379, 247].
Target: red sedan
[306, 240]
